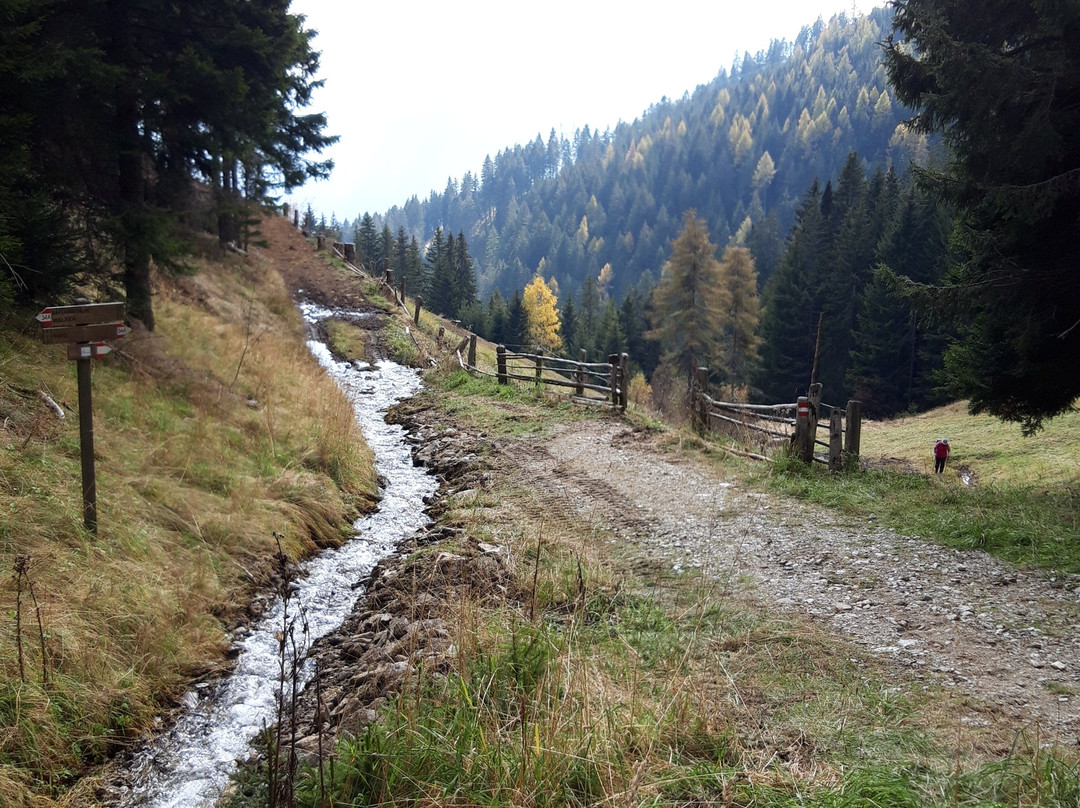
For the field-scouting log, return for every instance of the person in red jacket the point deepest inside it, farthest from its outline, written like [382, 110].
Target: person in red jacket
[941, 454]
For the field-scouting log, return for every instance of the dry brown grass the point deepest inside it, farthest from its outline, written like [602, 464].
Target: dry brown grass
[213, 434]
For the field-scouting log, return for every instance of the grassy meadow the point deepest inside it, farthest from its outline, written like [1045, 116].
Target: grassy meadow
[217, 437]
[1015, 497]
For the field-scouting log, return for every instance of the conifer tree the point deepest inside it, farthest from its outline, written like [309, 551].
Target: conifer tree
[999, 80]
[740, 342]
[791, 307]
[368, 244]
[464, 277]
[690, 301]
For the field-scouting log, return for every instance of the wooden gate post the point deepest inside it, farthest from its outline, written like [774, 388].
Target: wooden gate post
[836, 437]
[539, 369]
[802, 442]
[624, 381]
[853, 431]
[814, 396]
[613, 378]
[472, 350]
[580, 374]
[416, 316]
[500, 362]
[700, 407]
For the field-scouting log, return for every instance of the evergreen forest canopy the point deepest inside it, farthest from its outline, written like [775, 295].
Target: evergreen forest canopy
[902, 293]
[741, 151]
[125, 123]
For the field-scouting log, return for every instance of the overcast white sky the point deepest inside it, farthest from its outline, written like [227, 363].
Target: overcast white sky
[420, 91]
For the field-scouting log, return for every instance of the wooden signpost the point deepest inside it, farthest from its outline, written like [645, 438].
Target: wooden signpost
[83, 328]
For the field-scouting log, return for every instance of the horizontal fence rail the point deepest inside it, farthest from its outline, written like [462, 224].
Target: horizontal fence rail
[610, 379]
[795, 426]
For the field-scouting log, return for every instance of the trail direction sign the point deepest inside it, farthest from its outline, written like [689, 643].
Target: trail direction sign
[95, 332]
[85, 314]
[89, 350]
[84, 327]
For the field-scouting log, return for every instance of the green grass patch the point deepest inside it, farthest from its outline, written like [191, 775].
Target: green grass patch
[1024, 524]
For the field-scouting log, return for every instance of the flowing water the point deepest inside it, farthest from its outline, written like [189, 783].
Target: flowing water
[189, 765]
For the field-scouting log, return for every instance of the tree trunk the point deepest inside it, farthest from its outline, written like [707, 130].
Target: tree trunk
[133, 213]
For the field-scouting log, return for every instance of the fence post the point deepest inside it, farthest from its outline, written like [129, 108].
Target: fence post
[500, 361]
[700, 407]
[802, 442]
[416, 316]
[401, 289]
[624, 383]
[388, 274]
[320, 243]
[613, 378]
[539, 369]
[836, 437]
[580, 377]
[350, 252]
[472, 350]
[815, 410]
[853, 431]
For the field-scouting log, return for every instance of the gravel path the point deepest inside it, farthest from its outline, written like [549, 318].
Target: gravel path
[1006, 636]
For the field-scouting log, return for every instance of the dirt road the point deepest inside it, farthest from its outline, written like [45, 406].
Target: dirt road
[1010, 638]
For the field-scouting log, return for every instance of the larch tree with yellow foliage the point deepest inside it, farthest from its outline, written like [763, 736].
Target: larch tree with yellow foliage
[690, 303]
[739, 348]
[541, 316]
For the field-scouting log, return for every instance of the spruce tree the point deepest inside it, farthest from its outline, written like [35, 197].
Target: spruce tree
[999, 81]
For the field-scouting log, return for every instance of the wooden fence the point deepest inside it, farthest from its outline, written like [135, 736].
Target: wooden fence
[604, 383]
[794, 426]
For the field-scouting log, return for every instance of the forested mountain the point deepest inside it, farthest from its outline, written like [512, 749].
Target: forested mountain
[741, 150]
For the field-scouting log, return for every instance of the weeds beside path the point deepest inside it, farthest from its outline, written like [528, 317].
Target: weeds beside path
[1006, 638]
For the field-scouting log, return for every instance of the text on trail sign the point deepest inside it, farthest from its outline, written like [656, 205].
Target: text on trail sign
[86, 314]
[96, 332]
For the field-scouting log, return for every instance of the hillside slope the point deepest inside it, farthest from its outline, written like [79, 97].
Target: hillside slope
[218, 436]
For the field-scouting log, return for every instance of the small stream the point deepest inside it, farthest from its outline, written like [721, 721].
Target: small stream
[189, 765]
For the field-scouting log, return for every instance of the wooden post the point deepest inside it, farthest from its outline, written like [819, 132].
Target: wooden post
[401, 289]
[580, 375]
[86, 447]
[296, 218]
[613, 378]
[500, 361]
[350, 252]
[836, 439]
[624, 380]
[439, 339]
[416, 316]
[802, 442]
[320, 243]
[472, 350]
[815, 407]
[701, 407]
[539, 369]
[389, 275]
[853, 430]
